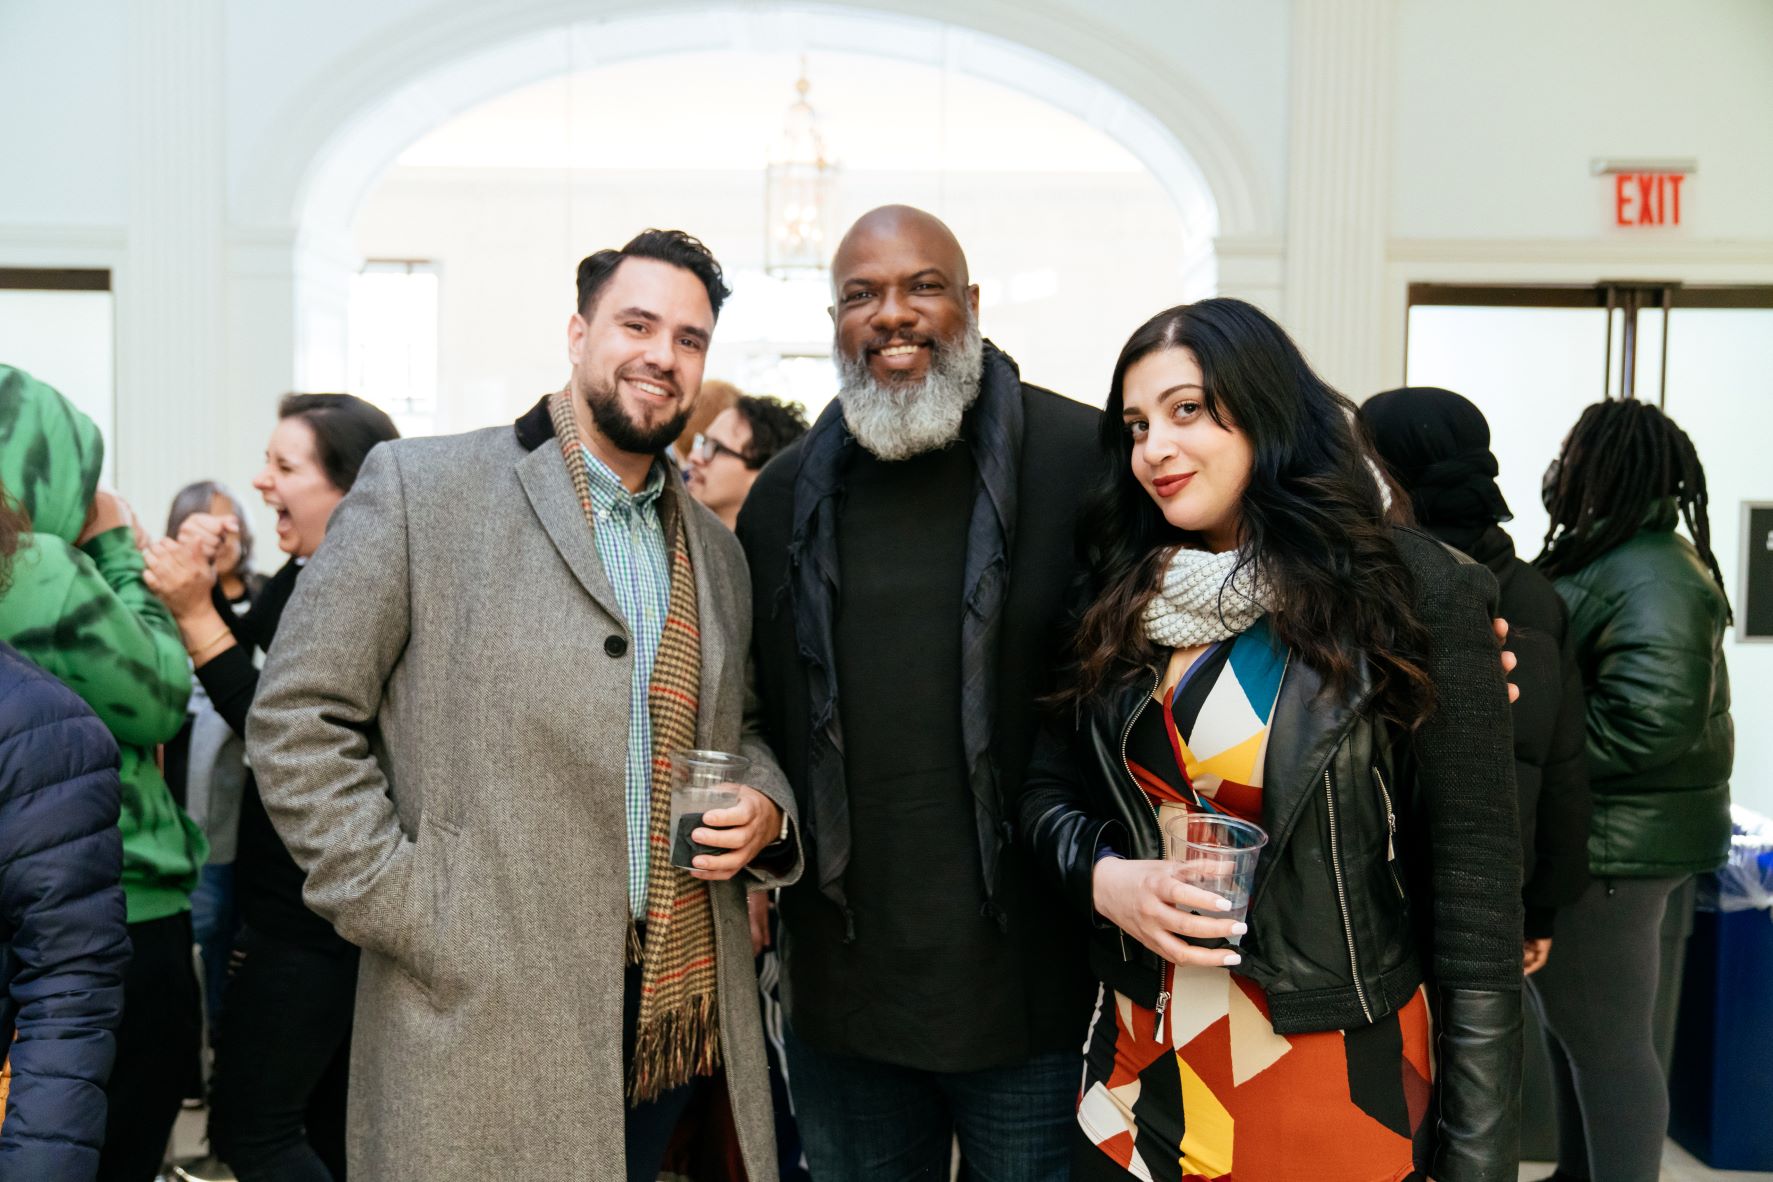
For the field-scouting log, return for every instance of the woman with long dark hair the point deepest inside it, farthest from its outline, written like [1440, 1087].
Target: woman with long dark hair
[284, 1049]
[1260, 643]
[1647, 620]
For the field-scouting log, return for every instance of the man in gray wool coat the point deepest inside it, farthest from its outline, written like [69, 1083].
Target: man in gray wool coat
[464, 732]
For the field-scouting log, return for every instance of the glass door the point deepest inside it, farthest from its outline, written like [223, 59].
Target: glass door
[57, 326]
[1532, 357]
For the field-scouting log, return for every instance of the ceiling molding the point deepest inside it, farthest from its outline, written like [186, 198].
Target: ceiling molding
[1663, 253]
[1137, 98]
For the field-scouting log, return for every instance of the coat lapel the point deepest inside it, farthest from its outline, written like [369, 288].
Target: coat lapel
[711, 609]
[1303, 733]
[543, 475]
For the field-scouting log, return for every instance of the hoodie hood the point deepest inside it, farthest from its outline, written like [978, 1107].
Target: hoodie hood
[50, 454]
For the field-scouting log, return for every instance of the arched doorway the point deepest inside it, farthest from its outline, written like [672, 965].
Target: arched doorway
[470, 238]
[317, 169]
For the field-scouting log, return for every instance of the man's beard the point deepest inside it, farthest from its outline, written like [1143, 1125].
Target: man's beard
[614, 424]
[898, 420]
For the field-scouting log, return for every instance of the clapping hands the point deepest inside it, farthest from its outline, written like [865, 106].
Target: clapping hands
[181, 571]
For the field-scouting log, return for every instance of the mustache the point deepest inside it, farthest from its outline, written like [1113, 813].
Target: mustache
[877, 343]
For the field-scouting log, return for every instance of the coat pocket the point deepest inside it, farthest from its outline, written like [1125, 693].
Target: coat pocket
[435, 857]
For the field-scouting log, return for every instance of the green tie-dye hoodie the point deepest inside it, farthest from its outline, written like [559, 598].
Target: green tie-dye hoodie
[83, 614]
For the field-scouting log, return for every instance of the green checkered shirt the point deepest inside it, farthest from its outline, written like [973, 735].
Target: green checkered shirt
[631, 543]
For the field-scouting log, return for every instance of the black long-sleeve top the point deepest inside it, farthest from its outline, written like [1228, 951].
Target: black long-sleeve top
[1551, 771]
[267, 881]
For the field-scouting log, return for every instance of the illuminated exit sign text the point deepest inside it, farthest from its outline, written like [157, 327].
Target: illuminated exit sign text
[1647, 198]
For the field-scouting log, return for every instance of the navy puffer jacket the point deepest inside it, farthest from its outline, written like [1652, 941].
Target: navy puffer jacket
[63, 946]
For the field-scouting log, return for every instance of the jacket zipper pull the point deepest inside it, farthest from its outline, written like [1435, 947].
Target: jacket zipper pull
[1390, 837]
[1163, 1001]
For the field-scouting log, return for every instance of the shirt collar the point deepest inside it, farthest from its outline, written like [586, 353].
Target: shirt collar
[609, 493]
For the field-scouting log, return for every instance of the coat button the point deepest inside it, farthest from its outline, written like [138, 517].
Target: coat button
[615, 646]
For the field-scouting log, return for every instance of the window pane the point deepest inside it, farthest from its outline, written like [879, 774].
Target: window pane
[393, 342]
[65, 338]
[1720, 390]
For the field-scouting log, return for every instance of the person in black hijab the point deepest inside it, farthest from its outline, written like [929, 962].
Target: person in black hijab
[1436, 446]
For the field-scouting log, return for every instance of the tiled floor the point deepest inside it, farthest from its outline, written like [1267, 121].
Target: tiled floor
[1677, 1166]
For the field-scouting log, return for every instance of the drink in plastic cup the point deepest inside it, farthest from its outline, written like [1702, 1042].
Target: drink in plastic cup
[701, 782]
[1216, 853]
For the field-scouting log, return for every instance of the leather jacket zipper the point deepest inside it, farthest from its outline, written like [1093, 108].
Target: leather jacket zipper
[1163, 974]
[1354, 963]
[1390, 831]
[1126, 732]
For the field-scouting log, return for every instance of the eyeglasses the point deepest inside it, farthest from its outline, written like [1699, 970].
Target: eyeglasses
[708, 449]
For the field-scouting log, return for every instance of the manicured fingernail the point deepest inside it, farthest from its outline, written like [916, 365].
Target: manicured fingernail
[1238, 929]
[1233, 958]
[1222, 904]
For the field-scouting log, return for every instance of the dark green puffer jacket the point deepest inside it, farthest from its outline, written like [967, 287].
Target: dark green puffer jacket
[1647, 621]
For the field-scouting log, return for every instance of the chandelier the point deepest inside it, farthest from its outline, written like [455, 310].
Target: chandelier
[799, 190]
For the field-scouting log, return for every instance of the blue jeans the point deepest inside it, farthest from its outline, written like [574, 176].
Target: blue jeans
[215, 921]
[863, 1121]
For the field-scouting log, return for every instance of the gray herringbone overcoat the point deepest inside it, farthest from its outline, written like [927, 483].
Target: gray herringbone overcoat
[440, 736]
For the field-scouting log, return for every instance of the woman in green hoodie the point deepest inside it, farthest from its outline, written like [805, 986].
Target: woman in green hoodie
[77, 608]
[1647, 619]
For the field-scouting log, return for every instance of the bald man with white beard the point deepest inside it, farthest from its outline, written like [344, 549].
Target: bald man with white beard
[910, 561]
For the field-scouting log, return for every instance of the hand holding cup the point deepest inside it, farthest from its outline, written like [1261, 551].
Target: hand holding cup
[1152, 902]
[718, 822]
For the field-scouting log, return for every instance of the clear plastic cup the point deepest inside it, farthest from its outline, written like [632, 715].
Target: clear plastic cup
[701, 782]
[1216, 853]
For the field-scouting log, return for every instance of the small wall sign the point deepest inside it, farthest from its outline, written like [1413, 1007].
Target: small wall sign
[1647, 199]
[1645, 192]
[1754, 602]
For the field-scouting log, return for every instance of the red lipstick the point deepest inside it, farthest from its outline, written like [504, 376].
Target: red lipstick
[1169, 486]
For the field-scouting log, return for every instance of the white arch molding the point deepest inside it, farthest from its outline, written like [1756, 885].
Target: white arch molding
[311, 172]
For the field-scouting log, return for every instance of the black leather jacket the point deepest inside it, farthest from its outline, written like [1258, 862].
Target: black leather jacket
[1392, 859]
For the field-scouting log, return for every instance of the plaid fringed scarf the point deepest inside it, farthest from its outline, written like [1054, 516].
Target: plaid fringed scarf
[677, 1036]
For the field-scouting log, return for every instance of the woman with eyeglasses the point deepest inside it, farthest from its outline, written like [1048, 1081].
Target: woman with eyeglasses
[724, 460]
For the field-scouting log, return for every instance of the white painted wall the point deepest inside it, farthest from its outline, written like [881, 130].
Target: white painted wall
[63, 134]
[171, 141]
[1500, 107]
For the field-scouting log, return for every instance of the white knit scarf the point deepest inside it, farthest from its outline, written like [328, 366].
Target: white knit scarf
[1205, 598]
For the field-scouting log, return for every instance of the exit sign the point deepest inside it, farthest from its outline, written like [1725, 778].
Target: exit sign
[1647, 199]
[1645, 192]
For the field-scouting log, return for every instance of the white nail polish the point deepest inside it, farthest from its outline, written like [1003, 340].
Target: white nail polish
[1233, 958]
[1238, 929]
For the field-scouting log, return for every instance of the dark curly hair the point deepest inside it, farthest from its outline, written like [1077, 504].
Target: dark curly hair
[774, 423]
[1312, 518]
[667, 246]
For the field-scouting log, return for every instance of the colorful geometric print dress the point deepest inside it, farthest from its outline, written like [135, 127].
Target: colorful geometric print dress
[1215, 1092]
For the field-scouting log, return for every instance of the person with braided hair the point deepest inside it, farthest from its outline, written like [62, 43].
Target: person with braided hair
[1647, 619]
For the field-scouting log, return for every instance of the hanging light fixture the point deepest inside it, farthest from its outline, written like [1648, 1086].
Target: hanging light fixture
[799, 193]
